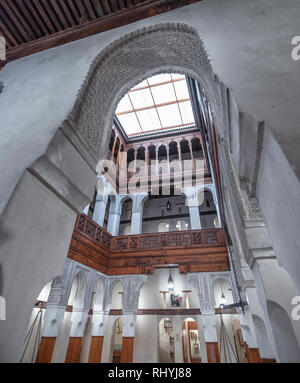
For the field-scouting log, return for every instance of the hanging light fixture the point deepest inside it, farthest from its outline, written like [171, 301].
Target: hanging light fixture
[170, 283]
[168, 205]
[223, 298]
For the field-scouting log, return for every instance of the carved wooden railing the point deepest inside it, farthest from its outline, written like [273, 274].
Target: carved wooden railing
[87, 226]
[182, 239]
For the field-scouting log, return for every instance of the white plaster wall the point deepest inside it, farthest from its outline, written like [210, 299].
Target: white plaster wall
[151, 298]
[22, 270]
[146, 340]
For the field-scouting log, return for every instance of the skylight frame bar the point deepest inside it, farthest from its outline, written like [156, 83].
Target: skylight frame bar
[157, 84]
[161, 126]
[153, 106]
[191, 124]
[177, 99]
[134, 111]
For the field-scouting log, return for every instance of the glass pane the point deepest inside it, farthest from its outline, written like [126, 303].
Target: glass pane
[124, 105]
[130, 123]
[163, 93]
[187, 112]
[141, 98]
[149, 120]
[181, 90]
[169, 115]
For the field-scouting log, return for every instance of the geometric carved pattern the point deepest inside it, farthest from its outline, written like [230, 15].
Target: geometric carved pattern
[211, 237]
[197, 238]
[150, 242]
[133, 242]
[90, 229]
[106, 240]
[121, 244]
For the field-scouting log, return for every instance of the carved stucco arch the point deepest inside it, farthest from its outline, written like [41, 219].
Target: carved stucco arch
[162, 48]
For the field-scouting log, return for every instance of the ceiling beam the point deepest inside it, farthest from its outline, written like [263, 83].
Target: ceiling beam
[124, 16]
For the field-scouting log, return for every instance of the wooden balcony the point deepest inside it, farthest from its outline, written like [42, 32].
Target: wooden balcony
[193, 251]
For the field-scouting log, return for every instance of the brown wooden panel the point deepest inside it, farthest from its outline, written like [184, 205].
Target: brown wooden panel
[46, 349]
[253, 355]
[74, 350]
[268, 360]
[212, 351]
[127, 350]
[31, 26]
[96, 349]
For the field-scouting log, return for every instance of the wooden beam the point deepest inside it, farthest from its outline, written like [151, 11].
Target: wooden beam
[110, 21]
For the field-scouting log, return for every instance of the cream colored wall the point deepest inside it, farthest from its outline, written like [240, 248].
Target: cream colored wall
[151, 298]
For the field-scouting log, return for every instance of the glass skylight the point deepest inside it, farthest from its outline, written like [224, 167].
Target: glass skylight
[161, 102]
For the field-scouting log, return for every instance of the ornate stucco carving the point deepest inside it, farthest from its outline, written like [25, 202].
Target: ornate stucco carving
[129, 60]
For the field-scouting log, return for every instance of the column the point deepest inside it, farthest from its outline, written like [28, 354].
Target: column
[203, 283]
[55, 311]
[114, 216]
[131, 293]
[98, 326]
[191, 194]
[249, 336]
[137, 213]
[211, 336]
[79, 319]
[52, 321]
[100, 209]
[129, 322]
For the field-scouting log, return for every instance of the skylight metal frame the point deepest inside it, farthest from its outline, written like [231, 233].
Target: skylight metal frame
[155, 106]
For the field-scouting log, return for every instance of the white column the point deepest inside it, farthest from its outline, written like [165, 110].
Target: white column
[114, 216]
[137, 213]
[193, 205]
[78, 319]
[210, 327]
[98, 323]
[100, 209]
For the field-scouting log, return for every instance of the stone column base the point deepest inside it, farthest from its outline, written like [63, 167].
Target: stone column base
[96, 349]
[253, 355]
[212, 351]
[127, 350]
[74, 350]
[46, 349]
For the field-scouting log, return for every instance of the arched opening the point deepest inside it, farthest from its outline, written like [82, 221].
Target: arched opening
[163, 227]
[126, 215]
[152, 160]
[208, 211]
[141, 153]
[285, 339]
[170, 210]
[166, 349]
[110, 201]
[116, 348]
[117, 296]
[182, 225]
[36, 323]
[190, 341]
[197, 148]
[185, 150]
[112, 141]
[117, 147]
[222, 292]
